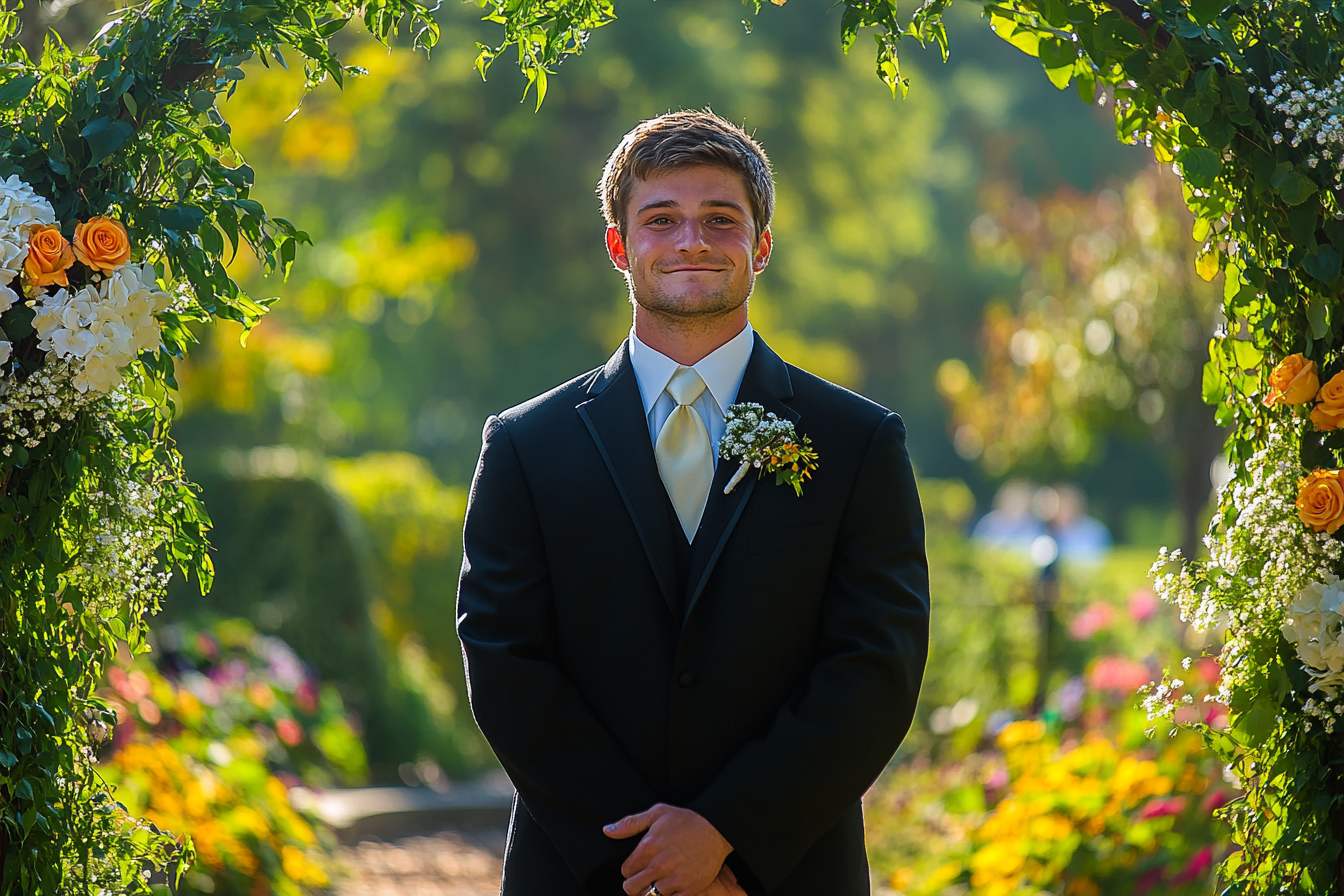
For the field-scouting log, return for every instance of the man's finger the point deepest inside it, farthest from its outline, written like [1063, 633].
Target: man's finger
[639, 884]
[631, 825]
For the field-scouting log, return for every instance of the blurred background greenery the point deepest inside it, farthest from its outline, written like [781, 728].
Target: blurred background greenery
[947, 255]
[458, 269]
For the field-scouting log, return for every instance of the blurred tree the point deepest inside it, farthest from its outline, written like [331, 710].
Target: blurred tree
[1104, 337]
[458, 265]
[868, 279]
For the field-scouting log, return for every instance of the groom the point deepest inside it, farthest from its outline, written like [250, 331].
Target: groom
[690, 689]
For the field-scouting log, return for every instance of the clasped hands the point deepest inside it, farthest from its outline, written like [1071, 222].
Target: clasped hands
[681, 853]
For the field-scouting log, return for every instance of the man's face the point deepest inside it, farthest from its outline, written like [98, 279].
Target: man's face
[690, 248]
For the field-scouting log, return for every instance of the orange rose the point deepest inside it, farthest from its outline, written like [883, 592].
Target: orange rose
[1293, 381]
[49, 254]
[1329, 414]
[1320, 501]
[102, 243]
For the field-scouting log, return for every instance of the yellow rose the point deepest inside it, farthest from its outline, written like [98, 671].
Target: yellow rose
[102, 243]
[1293, 381]
[1329, 414]
[1320, 501]
[49, 255]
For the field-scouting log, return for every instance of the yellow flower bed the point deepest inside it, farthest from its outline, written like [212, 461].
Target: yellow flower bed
[1082, 818]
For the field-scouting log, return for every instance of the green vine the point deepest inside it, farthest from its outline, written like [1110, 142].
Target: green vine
[1245, 100]
[95, 507]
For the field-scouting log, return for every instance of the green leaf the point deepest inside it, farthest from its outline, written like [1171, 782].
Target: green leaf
[1323, 264]
[1318, 316]
[105, 136]
[1206, 12]
[1057, 53]
[1295, 187]
[1213, 388]
[16, 90]
[181, 218]
[1257, 723]
[1200, 165]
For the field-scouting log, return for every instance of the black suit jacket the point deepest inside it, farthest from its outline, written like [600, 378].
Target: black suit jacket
[767, 698]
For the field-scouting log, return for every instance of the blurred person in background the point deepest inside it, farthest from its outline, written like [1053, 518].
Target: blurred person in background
[1024, 512]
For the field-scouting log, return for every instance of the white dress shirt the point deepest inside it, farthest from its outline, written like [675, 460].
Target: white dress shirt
[722, 371]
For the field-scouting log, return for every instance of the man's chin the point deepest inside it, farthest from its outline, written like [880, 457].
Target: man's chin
[688, 307]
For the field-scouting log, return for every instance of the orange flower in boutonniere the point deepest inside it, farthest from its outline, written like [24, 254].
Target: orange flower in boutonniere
[1293, 381]
[766, 443]
[1320, 501]
[49, 255]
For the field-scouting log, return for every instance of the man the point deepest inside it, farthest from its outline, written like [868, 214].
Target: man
[690, 685]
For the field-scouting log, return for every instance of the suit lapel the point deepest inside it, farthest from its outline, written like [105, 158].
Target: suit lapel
[765, 382]
[614, 416]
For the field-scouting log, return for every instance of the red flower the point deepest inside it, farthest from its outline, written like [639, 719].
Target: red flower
[289, 732]
[1157, 808]
[1198, 865]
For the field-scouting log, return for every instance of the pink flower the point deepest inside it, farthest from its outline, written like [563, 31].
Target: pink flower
[289, 732]
[1158, 808]
[1118, 673]
[1198, 865]
[1208, 670]
[1090, 621]
[1143, 605]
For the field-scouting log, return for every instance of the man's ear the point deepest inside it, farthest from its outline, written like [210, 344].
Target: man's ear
[761, 257]
[616, 249]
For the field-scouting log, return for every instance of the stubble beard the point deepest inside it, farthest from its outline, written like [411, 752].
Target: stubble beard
[700, 313]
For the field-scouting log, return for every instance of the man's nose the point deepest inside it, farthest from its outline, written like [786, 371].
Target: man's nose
[691, 237]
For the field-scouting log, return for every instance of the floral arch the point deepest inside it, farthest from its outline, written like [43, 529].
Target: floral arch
[122, 200]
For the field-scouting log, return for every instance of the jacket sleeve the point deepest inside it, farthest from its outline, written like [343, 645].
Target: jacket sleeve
[833, 736]
[570, 773]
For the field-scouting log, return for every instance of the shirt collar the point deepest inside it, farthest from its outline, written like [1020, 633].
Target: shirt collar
[722, 369]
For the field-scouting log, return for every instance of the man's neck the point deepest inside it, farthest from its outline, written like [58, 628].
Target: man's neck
[687, 341]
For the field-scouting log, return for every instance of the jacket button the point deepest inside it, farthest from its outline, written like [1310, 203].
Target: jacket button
[685, 679]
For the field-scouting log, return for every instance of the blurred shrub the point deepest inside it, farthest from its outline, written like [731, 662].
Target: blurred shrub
[354, 563]
[1099, 812]
[413, 523]
[208, 740]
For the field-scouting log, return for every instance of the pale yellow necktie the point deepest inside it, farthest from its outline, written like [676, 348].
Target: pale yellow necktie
[685, 459]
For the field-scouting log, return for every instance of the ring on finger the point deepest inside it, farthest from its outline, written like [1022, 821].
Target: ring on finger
[653, 891]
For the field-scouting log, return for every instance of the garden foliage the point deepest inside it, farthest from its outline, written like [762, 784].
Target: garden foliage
[211, 736]
[125, 130]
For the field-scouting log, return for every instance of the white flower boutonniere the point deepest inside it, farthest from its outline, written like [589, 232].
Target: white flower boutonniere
[768, 444]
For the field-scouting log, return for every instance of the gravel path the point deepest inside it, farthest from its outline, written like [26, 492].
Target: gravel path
[445, 864]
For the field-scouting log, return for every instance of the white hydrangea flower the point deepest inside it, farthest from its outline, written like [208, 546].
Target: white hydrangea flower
[21, 207]
[1312, 624]
[12, 253]
[102, 327]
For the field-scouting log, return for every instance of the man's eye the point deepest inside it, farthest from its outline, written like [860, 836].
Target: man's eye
[661, 219]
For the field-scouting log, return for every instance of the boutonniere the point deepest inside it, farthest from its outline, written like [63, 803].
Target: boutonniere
[766, 443]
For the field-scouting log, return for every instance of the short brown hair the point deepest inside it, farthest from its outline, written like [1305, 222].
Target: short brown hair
[686, 139]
